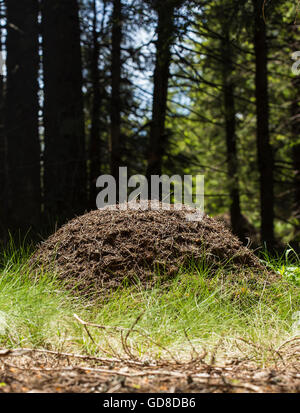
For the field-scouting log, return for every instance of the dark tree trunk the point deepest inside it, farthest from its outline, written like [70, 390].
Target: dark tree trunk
[22, 146]
[230, 127]
[2, 146]
[65, 183]
[295, 123]
[264, 149]
[158, 137]
[115, 111]
[95, 142]
[296, 163]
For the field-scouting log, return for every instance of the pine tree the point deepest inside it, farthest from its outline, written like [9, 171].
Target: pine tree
[165, 36]
[115, 110]
[22, 163]
[295, 126]
[228, 87]
[64, 158]
[95, 138]
[264, 149]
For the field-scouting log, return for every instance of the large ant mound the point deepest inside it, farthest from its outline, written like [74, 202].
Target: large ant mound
[102, 248]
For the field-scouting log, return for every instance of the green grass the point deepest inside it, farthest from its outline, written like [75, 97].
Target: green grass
[199, 306]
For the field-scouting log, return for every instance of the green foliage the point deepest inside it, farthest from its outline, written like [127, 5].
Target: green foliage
[197, 121]
[287, 265]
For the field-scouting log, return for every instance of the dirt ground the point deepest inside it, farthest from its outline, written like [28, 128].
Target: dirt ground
[43, 371]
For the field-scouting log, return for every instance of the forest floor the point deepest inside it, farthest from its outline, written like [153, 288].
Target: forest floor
[27, 371]
[202, 331]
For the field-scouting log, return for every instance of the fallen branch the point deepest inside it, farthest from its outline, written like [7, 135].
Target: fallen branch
[21, 351]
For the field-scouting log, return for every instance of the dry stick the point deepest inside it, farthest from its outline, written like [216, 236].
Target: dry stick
[248, 386]
[134, 324]
[175, 374]
[88, 333]
[126, 348]
[162, 347]
[250, 343]
[104, 371]
[99, 325]
[242, 352]
[279, 354]
[4, 353]
[125, 344]
[86, 323]
[214, 352]
[112, 350]
[21, 351]
[199, 357]
[194, 351]
[121, 329]
[260, 348]
[288, 341]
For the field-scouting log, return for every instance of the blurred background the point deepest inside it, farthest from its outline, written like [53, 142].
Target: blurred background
[172, 86]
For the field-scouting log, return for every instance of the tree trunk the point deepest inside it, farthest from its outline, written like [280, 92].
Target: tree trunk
[230, 128]
[22, 146]
[95, 142]
[264, 149]
[295, 124]
[2, 145]
[158, 138]
[296, 163]
[115, 111]
[65, 183]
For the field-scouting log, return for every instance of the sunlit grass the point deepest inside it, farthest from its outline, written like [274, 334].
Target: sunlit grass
[199, 306]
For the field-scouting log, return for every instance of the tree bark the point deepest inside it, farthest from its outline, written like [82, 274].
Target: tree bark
[65, 183]
[264, 149]
[2, 138]
[158, 137]
[295, 126]
[95, 138]
[296, 165]
[22, 145]
[230, 129]
[115, 111]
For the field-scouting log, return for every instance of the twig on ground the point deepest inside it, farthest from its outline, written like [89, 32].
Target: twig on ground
[22, 351]
[125, 341]
[85, 327]
[214, 352]
[199, 357]
[297, 338]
